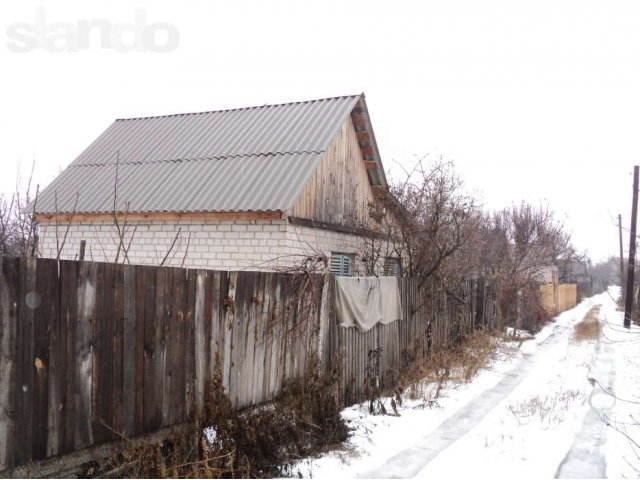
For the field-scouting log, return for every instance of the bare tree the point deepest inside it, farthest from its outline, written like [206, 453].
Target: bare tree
[6, 223]
[532, 237]
[434, 218]
[18, 230]
[520, 243]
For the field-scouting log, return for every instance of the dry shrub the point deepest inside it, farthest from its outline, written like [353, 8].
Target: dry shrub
[589, 328]
[258, 442]
[261, 441]
[373, 391]
[527, 305]
[317, 402]
[534, 314]
[476, 352]
[255, 443]
[426, 375]
[172, 457]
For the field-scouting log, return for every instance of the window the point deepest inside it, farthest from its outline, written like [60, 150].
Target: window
[341, 264]
[392, 267]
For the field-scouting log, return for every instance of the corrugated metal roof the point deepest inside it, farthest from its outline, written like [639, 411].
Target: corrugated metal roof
[249, 159]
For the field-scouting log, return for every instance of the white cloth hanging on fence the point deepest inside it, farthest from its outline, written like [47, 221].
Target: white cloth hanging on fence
[364, 302]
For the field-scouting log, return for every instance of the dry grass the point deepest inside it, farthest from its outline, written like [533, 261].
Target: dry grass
[550, 409]
[256, 443]
[425, 376]
[589, 328]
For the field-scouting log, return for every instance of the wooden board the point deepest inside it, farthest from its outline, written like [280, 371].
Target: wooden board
[9, 340]
[339, 190]
[83, 354]
[117, 381]
[69, 272]
[129, 345]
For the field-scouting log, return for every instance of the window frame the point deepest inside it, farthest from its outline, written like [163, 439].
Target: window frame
[344, 263]
[392, 267]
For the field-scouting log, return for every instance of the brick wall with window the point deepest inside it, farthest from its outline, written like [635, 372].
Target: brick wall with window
[233, 245]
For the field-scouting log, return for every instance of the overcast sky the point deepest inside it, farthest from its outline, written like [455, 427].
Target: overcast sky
[532, 100]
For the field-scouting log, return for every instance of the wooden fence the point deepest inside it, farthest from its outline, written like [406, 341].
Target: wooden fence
[93, 351]
[558, 297]
[431, 320]
[567, 296]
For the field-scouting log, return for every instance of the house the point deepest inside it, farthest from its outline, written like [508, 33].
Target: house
[546, 275]
[578, 272]
[249, 188]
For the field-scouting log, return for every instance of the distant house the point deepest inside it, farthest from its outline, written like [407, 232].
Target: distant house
[578, 272]
[253, 188]
[547, 274]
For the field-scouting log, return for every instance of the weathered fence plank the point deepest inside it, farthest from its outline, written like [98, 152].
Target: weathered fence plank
[259, 315]
[178, 384]
[200, 340]
[83, 354]
[26, 367]
[102, 389]
[140, 313]
[227, 292]
[249, 332]
[169, 344]
[9, 387]
[117, 380]
[129, 351]
[217, 331]
[208, 314]
[38, 302]
[151, 390]
[52, 324]
[69, 310]
[189, 342]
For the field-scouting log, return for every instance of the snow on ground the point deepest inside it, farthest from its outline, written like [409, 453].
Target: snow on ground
[539, 410]
[621, 449]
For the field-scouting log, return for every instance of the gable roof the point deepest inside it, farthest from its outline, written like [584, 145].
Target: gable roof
[255, 159]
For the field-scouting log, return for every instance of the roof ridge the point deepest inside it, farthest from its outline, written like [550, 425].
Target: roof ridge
[252, 107]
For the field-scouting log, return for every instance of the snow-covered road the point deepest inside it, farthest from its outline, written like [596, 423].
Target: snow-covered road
[541, 412]
[411, 461]
[586, 458]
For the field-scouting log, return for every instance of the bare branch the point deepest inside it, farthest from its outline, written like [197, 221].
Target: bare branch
[66, 232]
[186, 251]
[171, 247]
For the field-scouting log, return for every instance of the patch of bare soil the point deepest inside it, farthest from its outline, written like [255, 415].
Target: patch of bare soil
[589, 328]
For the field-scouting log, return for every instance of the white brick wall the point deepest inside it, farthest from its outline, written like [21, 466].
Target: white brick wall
[302, 240]
[215, 245]
[240, 244]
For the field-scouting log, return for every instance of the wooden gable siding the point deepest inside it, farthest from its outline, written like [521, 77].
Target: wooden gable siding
[338, 192]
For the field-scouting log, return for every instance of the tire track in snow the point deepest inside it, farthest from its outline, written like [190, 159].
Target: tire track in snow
[586, 457]
[411, 461]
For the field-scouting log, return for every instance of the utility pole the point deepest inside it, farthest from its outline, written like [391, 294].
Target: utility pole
[628, 304]
[621, 251]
